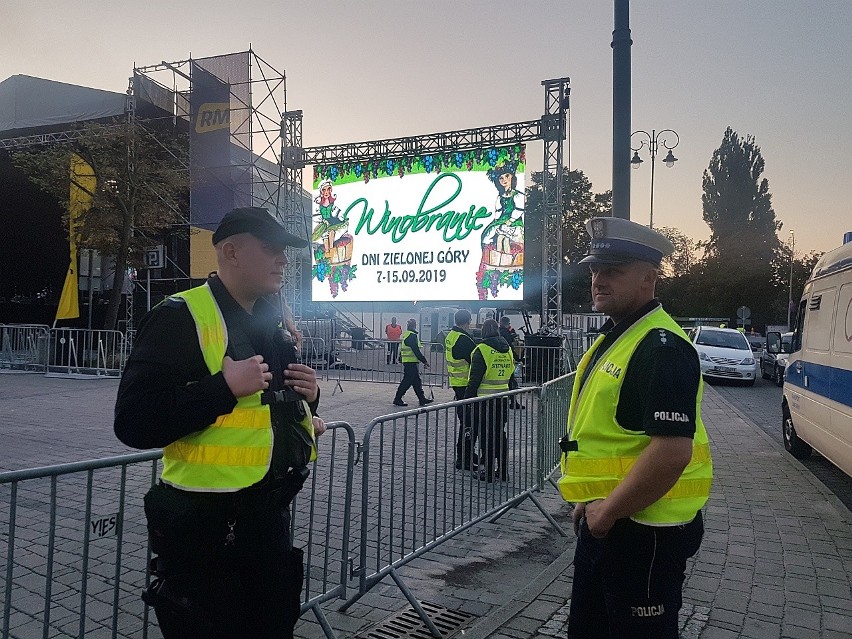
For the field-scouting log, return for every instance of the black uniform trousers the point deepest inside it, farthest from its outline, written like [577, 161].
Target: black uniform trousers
[465, 457]
[628, 585]
[225, 566]
[410, 378]
[393, 352]
[490, 418]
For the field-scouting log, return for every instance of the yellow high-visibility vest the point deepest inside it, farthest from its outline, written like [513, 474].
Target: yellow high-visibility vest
[406, 351]
[606, 451]
[236, 450]
[457, 369]
[498, 369]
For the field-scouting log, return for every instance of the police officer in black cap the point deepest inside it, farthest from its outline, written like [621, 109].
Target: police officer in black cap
[636, 461]
[213, 380]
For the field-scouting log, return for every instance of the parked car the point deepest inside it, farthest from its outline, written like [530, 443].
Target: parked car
[773, 365]
[757, 342]
[724, 353]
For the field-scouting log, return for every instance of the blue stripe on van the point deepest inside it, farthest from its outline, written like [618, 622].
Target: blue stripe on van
[827, 381]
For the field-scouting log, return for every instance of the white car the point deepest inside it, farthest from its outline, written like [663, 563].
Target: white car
[724, 353]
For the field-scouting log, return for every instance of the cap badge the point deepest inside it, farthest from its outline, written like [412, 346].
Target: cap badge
[598, 228]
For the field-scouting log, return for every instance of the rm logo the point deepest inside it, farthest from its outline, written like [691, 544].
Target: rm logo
[213, 116]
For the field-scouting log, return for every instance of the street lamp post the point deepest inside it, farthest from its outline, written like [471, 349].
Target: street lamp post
[790, 300]
[653, 140]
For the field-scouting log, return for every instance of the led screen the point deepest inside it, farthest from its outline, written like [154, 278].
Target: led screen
[435, 227]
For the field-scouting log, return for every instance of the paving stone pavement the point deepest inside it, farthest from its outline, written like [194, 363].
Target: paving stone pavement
[776, 560]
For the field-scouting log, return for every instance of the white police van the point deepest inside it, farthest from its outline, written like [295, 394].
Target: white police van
[817, 402]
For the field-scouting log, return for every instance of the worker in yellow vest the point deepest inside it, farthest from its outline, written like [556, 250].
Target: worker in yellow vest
[636, 461]
[491, 368]
[213, 379]
[458, 347]
[412, 353]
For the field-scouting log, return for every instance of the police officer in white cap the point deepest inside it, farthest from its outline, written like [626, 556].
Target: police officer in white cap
[636, 461]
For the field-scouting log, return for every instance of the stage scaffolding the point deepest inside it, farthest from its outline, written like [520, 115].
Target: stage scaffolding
[550, 128]
[257, 94]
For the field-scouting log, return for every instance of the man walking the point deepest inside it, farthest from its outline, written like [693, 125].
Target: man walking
[412, 353]
[636, 460]
[213, 380]
[458, 347]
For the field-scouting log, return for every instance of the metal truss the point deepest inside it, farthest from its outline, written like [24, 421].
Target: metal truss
[41, 139]
[292, 210]
[551, 128]
[463, 140]
[556, 94]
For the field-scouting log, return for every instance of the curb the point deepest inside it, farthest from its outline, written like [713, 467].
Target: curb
[502, 615]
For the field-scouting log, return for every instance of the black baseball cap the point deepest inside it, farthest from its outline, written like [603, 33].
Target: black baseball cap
[258, 222]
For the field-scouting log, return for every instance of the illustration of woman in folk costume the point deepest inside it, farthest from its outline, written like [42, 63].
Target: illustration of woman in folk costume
[333, 258]
[503, 239]
[507, 229]
[329, 222]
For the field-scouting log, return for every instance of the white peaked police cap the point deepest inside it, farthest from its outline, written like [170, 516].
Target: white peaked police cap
[618, 241]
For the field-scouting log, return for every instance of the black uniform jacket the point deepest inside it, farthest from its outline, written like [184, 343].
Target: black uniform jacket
[167, 391]
[661, 379]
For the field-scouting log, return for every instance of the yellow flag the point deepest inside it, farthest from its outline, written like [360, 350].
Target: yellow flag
[82, 186]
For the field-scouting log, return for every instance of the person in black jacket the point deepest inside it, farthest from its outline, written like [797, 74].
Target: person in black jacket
[220, 529]
[489, 417]
[411, 355]
[459, 345]
[511, 336]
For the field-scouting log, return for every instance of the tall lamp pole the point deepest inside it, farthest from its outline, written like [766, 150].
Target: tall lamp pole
[668, 138]
[790, 300]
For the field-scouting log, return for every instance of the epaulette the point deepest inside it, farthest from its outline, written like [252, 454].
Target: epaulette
[663, 337]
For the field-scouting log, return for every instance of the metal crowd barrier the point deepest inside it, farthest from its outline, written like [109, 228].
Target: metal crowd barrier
[372, 363]
[541, 364]
[86, 352]
[316, 354]
[76, 542]
[413, 496]
[553, 421]
[23, 347]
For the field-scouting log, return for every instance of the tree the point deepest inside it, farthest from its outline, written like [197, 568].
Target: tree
[142, 182]
[743, 252]
[579, 205]
[737, 205]
[685, 255]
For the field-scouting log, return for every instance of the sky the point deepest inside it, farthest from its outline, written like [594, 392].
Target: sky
[369, 69]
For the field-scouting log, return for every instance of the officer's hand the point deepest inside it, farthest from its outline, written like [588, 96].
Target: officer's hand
[303, 379]
[319, 426]
[577, 516]
[598, 519]
[246, 376]
[426, 365]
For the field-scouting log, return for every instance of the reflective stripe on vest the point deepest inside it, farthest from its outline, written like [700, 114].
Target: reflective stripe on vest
[457, 369]
[498, 369]
[236, 450]
[606, 452]
[406, 351]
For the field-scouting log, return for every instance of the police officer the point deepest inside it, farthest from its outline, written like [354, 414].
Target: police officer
[491, 366]
[412, 352]
[458, 347]
[636, 460]
[213, 379]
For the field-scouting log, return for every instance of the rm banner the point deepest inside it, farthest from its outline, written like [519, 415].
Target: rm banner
[80, 199]
[211, 186]
[446, 227]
